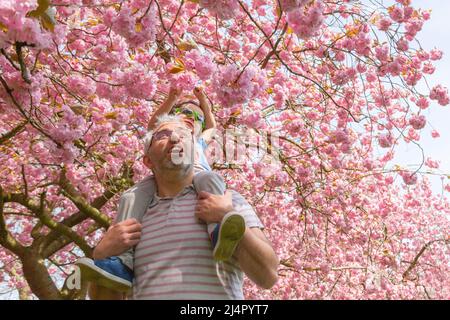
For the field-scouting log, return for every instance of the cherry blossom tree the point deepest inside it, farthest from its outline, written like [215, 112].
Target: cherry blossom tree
[335, 80]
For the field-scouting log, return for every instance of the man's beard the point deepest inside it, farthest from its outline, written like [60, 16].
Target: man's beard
[182, 161]
[167, 164]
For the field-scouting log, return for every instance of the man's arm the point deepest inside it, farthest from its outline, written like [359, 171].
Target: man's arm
[97, 292]
[165, 107]
[119, 238]
[257, 258]
[255, 253]
[210, 121]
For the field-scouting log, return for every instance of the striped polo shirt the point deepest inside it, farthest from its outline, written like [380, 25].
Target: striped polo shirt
[174, 259]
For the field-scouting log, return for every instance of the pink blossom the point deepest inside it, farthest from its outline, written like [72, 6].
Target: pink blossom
[435, 134]
[384, 24]
[224, 9]
[201, 63]
[440, 94]
[139, 82]
[428, 68]
[394, 68]
[409, 178]
[371, 76]
[412, 135]
[385, 140]
[397, 14]
[413, 77]
[413, 26]
[136, 32]
[426, 15]
[423, 103]
[184, 81]
[432, 163]
[306, 22]
[339, 136]
[92, 93]
[422, 55]
[402, 44]
[361, 68]
[233, 86]
[382, 53]
[418, 122]
[253, 120]
[82, 85]
[289, 5]
[436, 54]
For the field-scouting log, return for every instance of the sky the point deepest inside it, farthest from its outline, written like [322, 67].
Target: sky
[435, 34]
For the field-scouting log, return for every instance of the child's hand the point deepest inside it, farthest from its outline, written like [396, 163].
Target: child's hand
[174, 93]
[200, 94]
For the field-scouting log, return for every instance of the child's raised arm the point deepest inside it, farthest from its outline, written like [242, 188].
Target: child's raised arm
[210, 121]
[165, 107]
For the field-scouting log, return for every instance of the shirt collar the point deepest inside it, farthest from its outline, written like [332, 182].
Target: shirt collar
[183, 192]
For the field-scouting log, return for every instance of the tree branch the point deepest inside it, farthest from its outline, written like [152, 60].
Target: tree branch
[6, 239]
[416, 258]
[7, 136]
[80, 202]
[23, 67]
[47, 220]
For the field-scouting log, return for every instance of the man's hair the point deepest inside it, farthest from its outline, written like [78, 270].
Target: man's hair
[165, 118]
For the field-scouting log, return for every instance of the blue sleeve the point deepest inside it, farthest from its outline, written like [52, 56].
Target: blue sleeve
[202, 143]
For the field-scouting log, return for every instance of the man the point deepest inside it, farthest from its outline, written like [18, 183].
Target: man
[173, 257]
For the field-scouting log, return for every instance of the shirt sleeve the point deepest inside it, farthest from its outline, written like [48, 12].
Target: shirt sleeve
[243, 207]
[202, 143]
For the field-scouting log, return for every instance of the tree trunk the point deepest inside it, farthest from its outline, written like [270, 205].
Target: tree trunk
[24, 293]
[38, 278]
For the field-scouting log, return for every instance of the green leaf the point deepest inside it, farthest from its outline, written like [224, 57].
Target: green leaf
[40, 10]
[47, 22]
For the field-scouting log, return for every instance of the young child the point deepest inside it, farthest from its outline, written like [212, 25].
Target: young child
[117, 272]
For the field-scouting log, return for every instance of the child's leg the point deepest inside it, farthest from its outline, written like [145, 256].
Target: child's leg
[134, 204]
[225, 235]
[210, 182]
[116, 272]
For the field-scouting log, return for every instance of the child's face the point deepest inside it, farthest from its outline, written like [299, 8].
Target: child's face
[192, 121]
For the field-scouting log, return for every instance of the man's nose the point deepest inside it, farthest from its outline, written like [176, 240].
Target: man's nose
[175, 137]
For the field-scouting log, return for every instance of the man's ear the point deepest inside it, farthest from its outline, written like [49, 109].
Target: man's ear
[147, 162]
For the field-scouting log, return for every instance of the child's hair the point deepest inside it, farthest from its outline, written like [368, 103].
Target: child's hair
[182, 103]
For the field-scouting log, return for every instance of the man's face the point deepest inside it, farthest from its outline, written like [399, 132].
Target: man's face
[171, 148]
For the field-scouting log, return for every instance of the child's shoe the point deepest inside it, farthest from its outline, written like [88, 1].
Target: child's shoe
[227, 235]
[110, 273]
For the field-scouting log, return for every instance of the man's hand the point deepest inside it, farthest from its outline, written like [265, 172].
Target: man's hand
[211, 207]
[119, 238]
